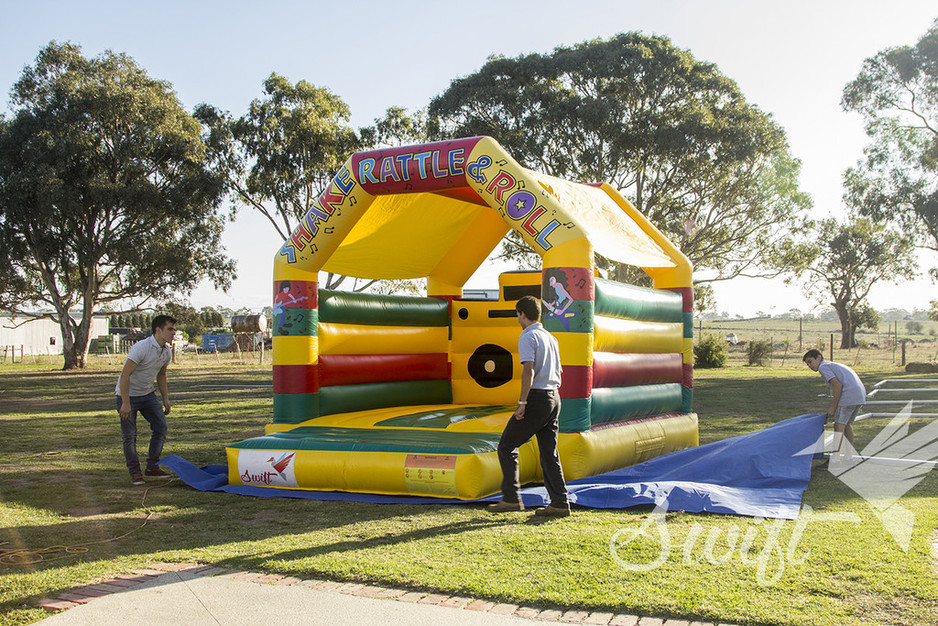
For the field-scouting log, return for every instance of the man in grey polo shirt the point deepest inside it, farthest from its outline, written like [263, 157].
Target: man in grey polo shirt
[536, 416]
[145, 371]
[847, 398]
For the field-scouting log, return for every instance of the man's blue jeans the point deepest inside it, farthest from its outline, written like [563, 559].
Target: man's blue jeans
[151, 407]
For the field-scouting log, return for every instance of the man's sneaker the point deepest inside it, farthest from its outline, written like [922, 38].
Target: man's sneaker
[137, 479]
[156, 472]
[553, 511]
[504, 507]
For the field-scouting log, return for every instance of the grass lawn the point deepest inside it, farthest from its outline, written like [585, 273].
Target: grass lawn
[63, 483]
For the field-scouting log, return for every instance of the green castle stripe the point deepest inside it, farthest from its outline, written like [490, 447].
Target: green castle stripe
[364, 397]
[340, 307]
[637, 303]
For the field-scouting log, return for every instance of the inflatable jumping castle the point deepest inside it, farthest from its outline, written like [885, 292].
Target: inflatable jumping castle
[409, 395]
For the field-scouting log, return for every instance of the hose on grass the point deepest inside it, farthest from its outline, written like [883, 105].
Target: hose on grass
[31, 556]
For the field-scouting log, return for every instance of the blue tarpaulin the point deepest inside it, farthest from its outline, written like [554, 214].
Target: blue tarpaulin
[760, 474]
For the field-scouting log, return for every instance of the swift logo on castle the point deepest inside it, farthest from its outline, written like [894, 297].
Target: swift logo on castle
[261, 467]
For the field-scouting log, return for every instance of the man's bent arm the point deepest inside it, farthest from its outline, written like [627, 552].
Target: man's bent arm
[836, 391]
[527, 379]
[129, 367]
[164, 389]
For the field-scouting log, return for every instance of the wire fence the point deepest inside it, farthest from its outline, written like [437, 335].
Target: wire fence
[893, 343]
[182, 356]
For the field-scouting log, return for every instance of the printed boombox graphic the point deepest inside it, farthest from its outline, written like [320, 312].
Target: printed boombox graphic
[484, 348]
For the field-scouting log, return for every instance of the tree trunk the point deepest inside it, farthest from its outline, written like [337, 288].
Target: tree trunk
[68, 343]
[75, 341]
[848, 328]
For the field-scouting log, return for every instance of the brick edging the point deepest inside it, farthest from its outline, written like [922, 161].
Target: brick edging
[124, 582]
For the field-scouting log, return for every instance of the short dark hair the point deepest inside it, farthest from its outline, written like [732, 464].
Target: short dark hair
[285, 285]
[812, 354]
[160, 321]
[530, 306]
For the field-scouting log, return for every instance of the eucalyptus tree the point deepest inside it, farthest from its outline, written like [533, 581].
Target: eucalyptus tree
[672, 132]
[896, 92]
[280, 155]
[841, 261]
[105, 192]
[292, 141]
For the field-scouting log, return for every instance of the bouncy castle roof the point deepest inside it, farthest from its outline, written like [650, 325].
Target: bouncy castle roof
[438, 210]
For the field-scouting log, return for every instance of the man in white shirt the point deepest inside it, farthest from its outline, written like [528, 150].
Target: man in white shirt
[536, 416]
[144, 372]
[848, 395]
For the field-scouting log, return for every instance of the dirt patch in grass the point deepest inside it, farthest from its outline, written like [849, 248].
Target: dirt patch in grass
[88, 511]
[265, 518]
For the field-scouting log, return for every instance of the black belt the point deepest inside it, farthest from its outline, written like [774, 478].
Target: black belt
[541, 390]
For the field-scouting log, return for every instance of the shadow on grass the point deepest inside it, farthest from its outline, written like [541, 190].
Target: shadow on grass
[185, 519]
[437, 531]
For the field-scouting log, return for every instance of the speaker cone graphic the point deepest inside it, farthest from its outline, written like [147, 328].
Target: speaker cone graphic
[490, 365]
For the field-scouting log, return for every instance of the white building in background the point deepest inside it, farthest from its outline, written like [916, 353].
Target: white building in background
[42, 336]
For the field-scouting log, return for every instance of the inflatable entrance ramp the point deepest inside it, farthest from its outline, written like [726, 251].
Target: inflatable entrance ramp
[408, 395]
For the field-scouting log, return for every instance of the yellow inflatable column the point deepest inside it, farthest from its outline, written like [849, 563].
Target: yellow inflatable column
[567, 303]
[296, 293]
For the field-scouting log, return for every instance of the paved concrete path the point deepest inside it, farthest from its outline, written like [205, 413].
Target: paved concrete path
[188, 593]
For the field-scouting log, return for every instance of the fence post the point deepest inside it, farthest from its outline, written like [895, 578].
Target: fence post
[832, 347]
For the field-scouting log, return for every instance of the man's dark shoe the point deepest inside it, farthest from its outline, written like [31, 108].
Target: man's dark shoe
[137, 479]
[553, 511]
[504, 507]
[156, 472]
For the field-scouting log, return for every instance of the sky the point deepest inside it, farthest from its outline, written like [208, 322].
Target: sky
[791, 59]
